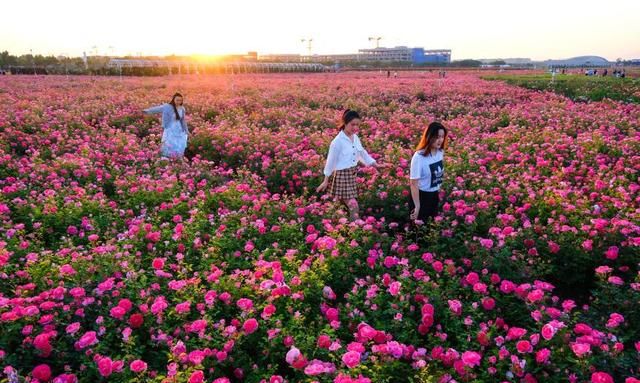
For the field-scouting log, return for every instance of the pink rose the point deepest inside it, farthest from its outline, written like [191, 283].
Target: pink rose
[548, 331]
[292, 355]
[244, 304]
[332, 314]
[471, 358]
[105, 366]
[138, 366]
[250, 326]
[41, 342]
[524, 346]
[455, 306]
[88, 339]
[351, 359]
[324, 341]
[612, 252]
[366, 332]
[158, 263]
[581, 349]
[198, 325]
[535, 295]
[601, 377]
[394, 288]
[197, 377]
[117, 312]
[542, 356]
[67, 269]
[183, 307]
[268, 311]
[42, 372]
[488, 303]
[515, 333]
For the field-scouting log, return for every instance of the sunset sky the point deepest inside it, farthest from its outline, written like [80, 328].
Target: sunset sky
[472, 29]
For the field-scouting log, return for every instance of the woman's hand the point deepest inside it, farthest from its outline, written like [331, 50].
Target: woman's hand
[322, 186]
[415, 212]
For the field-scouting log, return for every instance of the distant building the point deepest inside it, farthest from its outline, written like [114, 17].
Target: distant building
[580, 61]
[396, 54]
[334, 58]
[510, 61]
[286, 57]
[406, 54]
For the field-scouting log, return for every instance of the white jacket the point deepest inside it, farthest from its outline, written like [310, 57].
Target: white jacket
[344, 153]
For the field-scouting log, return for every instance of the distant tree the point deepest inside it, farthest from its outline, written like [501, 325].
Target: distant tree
[7, 60]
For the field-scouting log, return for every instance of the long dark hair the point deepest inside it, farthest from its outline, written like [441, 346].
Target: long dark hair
[173, 103]
[429, 136]
[348, 116]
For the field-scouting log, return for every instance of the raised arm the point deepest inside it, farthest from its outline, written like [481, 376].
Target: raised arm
[154, 109]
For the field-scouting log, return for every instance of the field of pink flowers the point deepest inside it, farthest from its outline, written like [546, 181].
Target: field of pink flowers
[228, 267]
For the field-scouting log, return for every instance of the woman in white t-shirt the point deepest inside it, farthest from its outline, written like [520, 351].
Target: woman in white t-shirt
[427, 172]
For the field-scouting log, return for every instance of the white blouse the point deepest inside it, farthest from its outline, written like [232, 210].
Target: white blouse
[344, 153]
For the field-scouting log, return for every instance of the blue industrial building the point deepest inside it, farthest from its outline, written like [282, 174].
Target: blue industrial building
[430, 56]
[405, 54]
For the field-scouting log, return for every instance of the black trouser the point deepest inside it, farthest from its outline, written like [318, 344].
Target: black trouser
[428, 205]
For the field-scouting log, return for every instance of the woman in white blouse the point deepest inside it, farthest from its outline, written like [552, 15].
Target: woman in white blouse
[175, 130]
[345, 152]
[427, 172]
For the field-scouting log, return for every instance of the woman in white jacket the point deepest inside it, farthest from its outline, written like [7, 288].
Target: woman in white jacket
[174, 124]
[340, 169]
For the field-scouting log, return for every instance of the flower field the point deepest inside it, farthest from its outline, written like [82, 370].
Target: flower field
[118, 266]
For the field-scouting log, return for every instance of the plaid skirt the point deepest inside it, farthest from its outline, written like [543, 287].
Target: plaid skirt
[342, 183]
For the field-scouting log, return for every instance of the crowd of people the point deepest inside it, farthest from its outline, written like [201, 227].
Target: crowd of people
[619, 73]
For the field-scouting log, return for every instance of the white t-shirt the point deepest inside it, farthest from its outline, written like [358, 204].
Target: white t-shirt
[428, 170]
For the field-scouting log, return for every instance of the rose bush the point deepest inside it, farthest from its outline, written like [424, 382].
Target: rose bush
[117, 265]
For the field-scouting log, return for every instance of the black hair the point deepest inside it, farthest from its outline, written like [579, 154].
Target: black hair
[430, 135]
[348, 116]
[173, 103]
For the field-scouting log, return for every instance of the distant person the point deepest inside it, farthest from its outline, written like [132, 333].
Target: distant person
[622, 75]
[395, 74]
[341, 166]
[176, 131]
[388, 74]
[604, 74]
[427, 173]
